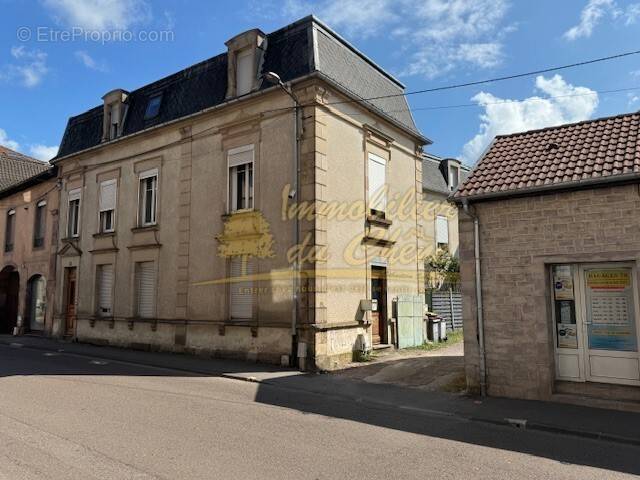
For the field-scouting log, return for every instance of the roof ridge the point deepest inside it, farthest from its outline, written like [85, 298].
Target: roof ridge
[567, 125]
[10, 154]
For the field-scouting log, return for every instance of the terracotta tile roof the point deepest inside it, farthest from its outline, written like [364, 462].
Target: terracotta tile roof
[560, 156]
[15, 168]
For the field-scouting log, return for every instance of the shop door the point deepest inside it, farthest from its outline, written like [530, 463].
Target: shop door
[38, 303]
[610, 326]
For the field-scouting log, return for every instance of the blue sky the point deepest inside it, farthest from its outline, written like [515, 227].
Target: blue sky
[45, 78]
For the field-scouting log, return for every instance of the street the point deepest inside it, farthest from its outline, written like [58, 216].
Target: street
[65, 416]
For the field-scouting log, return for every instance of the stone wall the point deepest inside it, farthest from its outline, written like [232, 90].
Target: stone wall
[519, 239]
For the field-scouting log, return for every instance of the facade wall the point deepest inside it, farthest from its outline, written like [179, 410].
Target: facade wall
[436, 204]
[519, 239]
[25, 258]
[193, 285]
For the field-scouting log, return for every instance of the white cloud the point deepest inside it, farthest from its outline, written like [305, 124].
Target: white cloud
[29, 66]
[100, 14]
[437, 35]
[595, 11]
[559, 103]
[5, 141]
[43, 152]
[89, 62]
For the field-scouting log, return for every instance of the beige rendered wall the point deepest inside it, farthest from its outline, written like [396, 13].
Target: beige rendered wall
[435, 204]
[26, 259]
[350, 254]
[519, 239]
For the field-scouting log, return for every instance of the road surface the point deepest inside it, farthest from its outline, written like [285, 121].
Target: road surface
[65, 416]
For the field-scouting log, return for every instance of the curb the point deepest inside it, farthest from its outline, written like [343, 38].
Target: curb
[521, 424]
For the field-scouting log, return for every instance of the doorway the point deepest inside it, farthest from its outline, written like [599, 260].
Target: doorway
[379, 308]
[596, 323]
[37, 289]
[70, 292]
[9, 293]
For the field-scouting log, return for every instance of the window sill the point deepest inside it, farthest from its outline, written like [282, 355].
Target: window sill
[381, 222]
[239, 212]
[104, 234]
[148, 228]
[69, 239]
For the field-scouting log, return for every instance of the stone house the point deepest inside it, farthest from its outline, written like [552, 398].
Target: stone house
[252, 205]
[29, 209]
[441, 177]
[551, 306]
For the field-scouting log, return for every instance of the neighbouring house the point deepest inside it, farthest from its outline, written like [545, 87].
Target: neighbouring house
[252, 205]
[550, 288]
[440, 178]
[29, 208]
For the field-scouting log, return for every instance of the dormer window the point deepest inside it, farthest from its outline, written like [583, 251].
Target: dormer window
[244, 57]
[153, 107]
[115, 112]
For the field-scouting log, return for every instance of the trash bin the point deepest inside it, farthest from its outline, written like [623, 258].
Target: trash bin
[433, 329]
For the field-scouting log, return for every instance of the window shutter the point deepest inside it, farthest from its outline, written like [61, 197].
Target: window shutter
[146, 288]
[377, 181]
[242, 297]
[74, 194]
[108, 196]
[240, 156]
[105, 290]
[244, 72]
[442, 229]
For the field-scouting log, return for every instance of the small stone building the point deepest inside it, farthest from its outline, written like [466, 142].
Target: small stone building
[556, 217]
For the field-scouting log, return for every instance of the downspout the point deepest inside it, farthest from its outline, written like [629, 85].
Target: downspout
[296, 233]
[480, 317]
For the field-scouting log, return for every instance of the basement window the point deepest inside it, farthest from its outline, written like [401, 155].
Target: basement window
[153, 107]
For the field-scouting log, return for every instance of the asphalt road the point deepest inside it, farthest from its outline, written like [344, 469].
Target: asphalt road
[72, 417]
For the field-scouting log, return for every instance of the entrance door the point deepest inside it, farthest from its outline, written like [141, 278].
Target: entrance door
[70, 301]
[37, 303]
[610, 324]
[379, 297]
[9, 292]
[596, 323]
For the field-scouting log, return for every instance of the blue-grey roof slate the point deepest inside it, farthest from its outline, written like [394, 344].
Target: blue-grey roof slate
[291, 52]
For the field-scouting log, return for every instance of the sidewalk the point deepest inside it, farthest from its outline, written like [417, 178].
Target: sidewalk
[561, 418]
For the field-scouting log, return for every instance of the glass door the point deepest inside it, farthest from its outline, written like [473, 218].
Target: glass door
[610, 323]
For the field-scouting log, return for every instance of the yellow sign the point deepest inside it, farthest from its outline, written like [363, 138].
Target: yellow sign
[608, 279]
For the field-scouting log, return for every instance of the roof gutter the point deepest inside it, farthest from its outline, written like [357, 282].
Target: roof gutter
[554, 188]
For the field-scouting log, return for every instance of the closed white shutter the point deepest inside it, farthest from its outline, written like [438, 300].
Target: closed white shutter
[108, 195]
[240, 155]
[442, 229]
[242, 295]
[105, 290]
[377, 181]
[244, 72]
[146, 289]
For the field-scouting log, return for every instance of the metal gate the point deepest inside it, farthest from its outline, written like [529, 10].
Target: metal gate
[448, 305]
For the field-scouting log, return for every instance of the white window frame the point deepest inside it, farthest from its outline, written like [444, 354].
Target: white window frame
[75, 194]
[98, 296]
[452, 169]
[231, 199]
[142, 198]
[246, 53]
[381, 200]
[101, 208]
[439, 219]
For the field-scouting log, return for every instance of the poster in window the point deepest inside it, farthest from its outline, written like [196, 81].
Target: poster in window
[567, 335]
[611, 319]
[563, 282]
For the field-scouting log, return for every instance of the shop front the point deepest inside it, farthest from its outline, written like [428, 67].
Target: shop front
[595, 317]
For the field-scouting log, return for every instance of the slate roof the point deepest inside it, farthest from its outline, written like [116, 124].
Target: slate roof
[16, 168]
[295, 51]
[433, 177]
[565, 156]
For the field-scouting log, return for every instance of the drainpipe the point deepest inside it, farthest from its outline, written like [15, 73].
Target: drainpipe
[480, 317]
